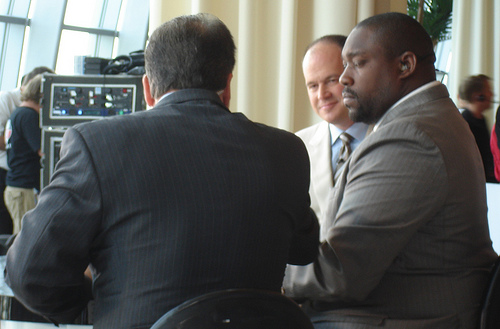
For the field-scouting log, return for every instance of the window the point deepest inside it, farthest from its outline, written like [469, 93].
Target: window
[87, 33]
[52, 32]
[443, 60]
[14, 23]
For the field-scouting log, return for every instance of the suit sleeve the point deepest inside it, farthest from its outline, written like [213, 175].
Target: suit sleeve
[46, 263]
[305, 239]
[304, 246]
[393, 185]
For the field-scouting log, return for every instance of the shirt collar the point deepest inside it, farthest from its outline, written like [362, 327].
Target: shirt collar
[357, 130]
[165, 95]
[173, 91]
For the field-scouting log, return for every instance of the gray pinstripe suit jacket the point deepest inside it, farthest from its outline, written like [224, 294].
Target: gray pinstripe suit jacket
[166, 204]
[408, 244]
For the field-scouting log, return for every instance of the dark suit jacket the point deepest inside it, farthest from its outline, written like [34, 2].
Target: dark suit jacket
[408, 243]
[166, 204]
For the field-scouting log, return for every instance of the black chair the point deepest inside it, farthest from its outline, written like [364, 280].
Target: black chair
[236, 309]
[490, 313]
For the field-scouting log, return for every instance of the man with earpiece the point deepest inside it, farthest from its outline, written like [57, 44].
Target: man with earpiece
[407, 242]
[474, 97]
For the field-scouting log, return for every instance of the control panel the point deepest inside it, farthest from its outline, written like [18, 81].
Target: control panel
[68, 100]
[91, 101]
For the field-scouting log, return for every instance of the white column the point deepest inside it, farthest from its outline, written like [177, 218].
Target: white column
[246, 67]
[286, 79]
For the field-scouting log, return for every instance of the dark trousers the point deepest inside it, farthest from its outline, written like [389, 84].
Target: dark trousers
[5, 220]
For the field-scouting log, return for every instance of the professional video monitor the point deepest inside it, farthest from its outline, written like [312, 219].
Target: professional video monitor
[68, 100]
[51, 147]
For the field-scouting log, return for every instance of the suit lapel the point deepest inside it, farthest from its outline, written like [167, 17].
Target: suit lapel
[321, 153]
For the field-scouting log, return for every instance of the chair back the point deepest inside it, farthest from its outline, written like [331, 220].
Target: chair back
[236, 309]
[490, 313]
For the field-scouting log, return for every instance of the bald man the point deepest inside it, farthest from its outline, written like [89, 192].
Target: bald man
[322, 67]
[407, 244]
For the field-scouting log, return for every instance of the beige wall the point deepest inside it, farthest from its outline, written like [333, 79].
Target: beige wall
[271, 35]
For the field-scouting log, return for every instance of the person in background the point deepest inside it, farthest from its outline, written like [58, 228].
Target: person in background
[475, 97]
[23, 143]
[407, 243]
[9, 101]
[322, 67]
[495, 145]
[170, 203]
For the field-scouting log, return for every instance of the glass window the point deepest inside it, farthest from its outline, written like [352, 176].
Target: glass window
[111, 14]
[11, 45]
[104, 46]
[83, 13]
[4, 7]
[73, 43]
[76, 42]
[93, 13]
[443, 60]
[17, 8]
[89, 28]
[12, 38]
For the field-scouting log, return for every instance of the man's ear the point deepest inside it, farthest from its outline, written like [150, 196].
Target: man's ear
[408, 64]
[147, 91]
[226, 95]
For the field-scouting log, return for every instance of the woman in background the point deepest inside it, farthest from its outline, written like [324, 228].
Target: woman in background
[23, 143]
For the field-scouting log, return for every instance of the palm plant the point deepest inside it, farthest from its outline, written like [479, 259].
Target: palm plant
[434, 15]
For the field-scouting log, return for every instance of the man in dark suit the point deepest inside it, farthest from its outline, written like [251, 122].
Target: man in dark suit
[170, 203]
[407, 243]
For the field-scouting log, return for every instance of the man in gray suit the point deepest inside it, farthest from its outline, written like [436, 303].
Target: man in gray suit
[408, 243]
[170, 203]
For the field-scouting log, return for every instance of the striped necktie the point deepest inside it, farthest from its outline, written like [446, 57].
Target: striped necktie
[345, 152]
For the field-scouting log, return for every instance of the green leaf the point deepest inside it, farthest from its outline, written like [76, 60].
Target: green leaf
[437, 17]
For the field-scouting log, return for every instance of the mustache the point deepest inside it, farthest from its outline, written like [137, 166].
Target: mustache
[349, 92]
